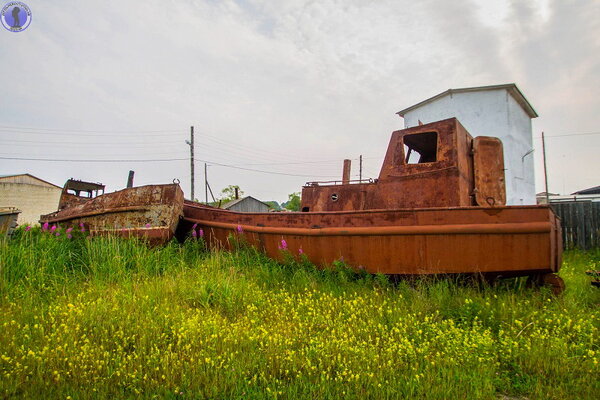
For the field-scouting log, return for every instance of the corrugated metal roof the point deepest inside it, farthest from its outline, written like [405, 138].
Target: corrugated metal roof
[592, 190]
[510, 87]
[234, 202]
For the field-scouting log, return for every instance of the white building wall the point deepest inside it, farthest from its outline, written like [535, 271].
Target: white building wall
[32, 200]
[490, 113]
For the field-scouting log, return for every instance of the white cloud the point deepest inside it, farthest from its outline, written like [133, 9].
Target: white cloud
[288, 80]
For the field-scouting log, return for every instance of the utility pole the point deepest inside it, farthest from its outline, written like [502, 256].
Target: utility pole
[191, 144]
[360, 169]
[545, 171]
[205, 185]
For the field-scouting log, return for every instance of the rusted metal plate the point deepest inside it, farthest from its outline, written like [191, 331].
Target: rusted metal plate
[507, 241]
[150, 212]
[488, 163]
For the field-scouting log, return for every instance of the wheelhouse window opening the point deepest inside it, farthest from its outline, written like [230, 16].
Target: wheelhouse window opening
[81, 193]
[420, 148]
[86, 190]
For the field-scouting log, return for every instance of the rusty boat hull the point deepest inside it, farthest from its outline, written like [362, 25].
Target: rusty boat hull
[149, 212]
[502, 241]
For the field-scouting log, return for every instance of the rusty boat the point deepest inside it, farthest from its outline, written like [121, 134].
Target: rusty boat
[437, 207]
[150, 212]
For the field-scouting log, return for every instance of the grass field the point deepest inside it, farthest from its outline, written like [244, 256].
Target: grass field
[111, 318]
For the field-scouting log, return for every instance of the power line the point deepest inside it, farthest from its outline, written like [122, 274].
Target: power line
[87, 134]
[18, 142]
[162, 160]
[85, 130]
[90, 161]
[570, 134]
[235, 148]
[301, 162]
[13, 141]
[266, 172]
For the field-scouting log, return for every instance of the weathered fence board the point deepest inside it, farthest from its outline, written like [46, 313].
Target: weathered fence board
[580, 223]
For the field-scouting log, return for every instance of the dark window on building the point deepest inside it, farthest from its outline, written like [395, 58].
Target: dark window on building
[420, 148]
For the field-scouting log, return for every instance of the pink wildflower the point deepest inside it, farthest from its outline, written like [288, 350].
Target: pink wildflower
[194, 234]
[148, 225]
[283, 245]
[53, 228]
[194, 227]
[45, 226]
[200, 232]
[239, 229]
[69, 236]
[57, 233]
[27, 228]
[82, 226]
[69, 230]
[300, 251]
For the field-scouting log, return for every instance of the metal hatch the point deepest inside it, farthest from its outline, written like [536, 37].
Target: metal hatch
[488, 163]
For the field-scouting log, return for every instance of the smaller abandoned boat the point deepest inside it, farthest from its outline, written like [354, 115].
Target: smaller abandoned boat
[150, 212]
[8, 221]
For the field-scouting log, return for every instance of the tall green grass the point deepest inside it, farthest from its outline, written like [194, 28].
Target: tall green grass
[113, 318]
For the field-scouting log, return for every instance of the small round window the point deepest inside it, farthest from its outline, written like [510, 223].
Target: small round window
[334, 197]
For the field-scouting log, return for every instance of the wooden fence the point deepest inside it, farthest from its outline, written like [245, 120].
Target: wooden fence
[580, 223]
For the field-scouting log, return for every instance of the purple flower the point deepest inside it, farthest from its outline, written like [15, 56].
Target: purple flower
[69, 236]
[148, 225]
[81, 225]
[283, 245]
[200, 232]
[194, 234]
[69, 230]
[45, 226]
[27, 228]
[53, 228]
[194, 227]
[57, 233]
[300, 251]
[239, 229]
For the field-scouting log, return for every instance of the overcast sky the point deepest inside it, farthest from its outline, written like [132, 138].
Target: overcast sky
[289, 87]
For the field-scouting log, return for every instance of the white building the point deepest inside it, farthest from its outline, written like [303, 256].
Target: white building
[30, 194]
[501, 111]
